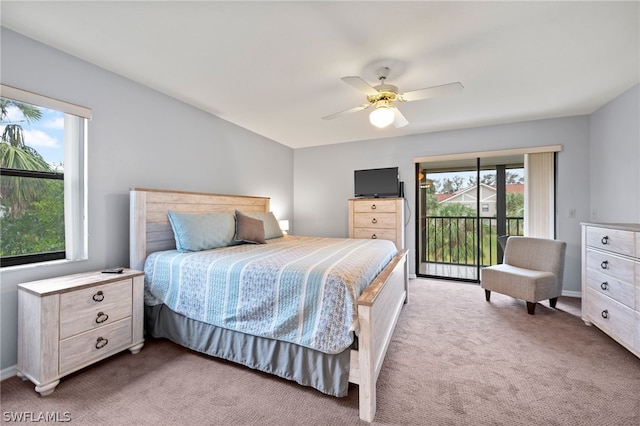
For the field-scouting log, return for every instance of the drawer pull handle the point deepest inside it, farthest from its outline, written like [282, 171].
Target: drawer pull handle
[374, 237]
[605, 314]
[102, 317]
[373, 206]
[604, 285]
[374, 220]
[99, 296]
[101, 342]
[605, 240]
[604, 264]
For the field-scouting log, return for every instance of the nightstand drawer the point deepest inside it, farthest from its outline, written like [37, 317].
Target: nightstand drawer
[383, 234]
[93, 345]
[375, 220]
[93, 307]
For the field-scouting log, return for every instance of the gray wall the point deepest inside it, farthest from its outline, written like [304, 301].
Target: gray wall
[615, 160]
[137, 138]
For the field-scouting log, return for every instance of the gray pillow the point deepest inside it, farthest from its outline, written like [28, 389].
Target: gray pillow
[249, 229]
[271, 225]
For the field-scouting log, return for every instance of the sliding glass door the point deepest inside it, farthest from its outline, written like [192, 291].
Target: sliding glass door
[463, 206]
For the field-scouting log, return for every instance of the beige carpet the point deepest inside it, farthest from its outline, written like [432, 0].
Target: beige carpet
[455, 360]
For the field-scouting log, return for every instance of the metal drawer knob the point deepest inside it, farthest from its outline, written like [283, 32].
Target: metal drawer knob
[604, 264]
[101, 317]
[99, 296]
[605, 313]
[101, 342]
[374, 237]
[604, 285]
[605, 240]
[374, 220]
[373, 206]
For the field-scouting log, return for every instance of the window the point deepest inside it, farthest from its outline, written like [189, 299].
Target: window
[42, 193]
[485, 208]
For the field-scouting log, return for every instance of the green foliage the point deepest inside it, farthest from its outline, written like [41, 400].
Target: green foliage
[451, 231]
[40, 228]
[453, 210]
[515, 205]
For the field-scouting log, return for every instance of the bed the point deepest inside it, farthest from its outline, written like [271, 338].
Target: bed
[324, 363]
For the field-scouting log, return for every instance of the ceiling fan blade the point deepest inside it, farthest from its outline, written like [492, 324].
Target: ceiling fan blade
[432, 92]
[348, 111]
[359, 84]
[399, 120]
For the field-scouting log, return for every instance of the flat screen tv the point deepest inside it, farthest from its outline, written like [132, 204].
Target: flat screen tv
[376, 182]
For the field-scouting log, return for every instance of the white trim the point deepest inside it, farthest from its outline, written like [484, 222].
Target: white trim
[5, 373]
[485, 154]
[75, 188]
[20, 95]
[569, 293]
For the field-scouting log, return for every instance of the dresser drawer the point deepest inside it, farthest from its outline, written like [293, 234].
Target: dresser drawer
[93, 307]
[612, 317]
[611, 265]
[375, 220]
[373, 233]
[621, 291]
[87, 347]
[374, 206]
[614, 240]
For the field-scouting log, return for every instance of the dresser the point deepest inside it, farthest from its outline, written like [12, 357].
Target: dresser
[611, 281]
[377, 218]
[67, 323]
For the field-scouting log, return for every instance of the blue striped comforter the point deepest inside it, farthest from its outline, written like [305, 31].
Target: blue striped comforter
[302, 290]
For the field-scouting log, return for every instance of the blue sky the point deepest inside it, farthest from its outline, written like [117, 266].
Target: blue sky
[45, 135]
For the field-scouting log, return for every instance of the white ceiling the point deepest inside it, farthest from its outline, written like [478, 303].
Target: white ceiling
[274, 67]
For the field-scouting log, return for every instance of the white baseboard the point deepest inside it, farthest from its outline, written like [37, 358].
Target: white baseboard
[5, 373]
[571, 293]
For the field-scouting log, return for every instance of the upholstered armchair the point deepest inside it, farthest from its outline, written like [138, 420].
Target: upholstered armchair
[532, 270]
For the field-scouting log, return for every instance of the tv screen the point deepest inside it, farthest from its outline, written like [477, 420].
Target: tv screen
[376, 182]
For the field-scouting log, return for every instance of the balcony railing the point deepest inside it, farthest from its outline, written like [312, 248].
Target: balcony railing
[454, 240]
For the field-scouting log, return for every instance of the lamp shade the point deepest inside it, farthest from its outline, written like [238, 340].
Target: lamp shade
[382, 116]
[284, 225]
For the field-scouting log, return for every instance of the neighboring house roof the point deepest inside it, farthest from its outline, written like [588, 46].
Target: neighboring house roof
[487, 192]
[515, 188]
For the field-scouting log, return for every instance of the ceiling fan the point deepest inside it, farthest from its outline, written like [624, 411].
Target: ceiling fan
[383, 96]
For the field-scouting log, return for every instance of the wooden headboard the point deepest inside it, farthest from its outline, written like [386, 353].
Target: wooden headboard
[149, 227]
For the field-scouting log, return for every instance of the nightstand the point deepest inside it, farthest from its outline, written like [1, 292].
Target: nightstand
[70, 322]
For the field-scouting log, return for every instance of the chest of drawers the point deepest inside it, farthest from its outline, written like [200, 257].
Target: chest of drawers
[67, 323]
[377, 218]
[611, 281]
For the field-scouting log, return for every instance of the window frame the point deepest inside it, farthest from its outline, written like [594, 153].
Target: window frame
[74, 177]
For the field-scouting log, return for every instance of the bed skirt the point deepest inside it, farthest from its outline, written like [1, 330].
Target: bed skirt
[328, 373]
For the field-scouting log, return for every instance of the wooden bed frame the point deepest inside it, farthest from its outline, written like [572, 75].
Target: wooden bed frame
[378, 307]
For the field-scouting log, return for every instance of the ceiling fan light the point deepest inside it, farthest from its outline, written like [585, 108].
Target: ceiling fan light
[382, 116]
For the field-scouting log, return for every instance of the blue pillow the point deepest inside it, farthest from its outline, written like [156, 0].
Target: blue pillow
[271, 225]
[202, 231]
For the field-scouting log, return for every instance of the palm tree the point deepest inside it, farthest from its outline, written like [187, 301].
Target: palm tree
[17, 193]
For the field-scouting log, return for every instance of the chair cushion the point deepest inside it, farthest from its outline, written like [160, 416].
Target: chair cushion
[520, 283]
